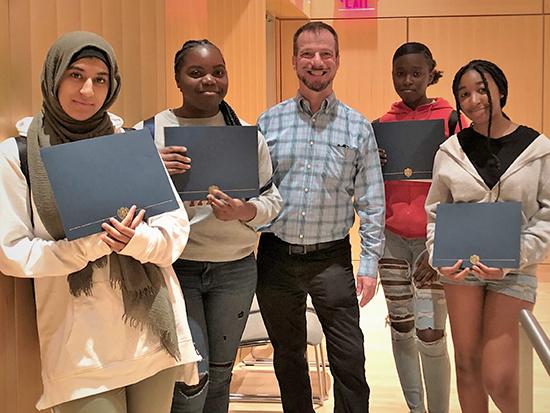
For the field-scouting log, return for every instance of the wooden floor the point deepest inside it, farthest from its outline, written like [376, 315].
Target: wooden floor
[386, 393]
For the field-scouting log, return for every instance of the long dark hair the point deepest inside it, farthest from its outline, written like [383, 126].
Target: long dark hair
[482, 67]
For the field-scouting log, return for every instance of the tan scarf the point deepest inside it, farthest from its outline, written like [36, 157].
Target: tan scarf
[145, 296]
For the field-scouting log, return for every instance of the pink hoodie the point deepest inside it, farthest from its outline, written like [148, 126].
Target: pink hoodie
[405, 215]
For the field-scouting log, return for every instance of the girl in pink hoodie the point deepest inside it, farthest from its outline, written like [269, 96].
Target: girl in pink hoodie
[414, 296]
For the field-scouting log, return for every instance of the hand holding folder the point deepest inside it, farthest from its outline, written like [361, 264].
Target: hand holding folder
[225, 157]
[407, 148]
[119, 233]
[96, 179]
[480, 236]
[175, 159]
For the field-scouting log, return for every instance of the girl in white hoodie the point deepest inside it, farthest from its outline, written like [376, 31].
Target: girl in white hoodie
[494, 160]
[111, 317]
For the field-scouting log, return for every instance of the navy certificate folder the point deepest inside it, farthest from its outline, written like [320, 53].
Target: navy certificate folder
[478, 232]
[225, 157]
[410, 147]
[95, 179]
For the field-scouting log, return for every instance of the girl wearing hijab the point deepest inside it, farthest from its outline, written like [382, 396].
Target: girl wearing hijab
[111, 317]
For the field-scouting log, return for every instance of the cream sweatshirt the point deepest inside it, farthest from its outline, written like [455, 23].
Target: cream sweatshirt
[211, 239]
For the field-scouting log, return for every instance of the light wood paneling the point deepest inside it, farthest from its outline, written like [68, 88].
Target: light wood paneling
[7, 345]
[19, 60]
[454, 41]
[326, 9]
[141, 53]
[546, 81]
[238, 29]
[288, 9]
[547, 6]
[20, 383]
[5, 79]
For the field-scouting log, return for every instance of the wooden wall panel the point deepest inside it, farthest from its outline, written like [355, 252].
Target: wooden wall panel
[5, 79]
[455, 41]
[288, 9]
[238, 29]
[20, 383]
[326, 9]
[22, 83]
[546, 81]
[141, 55]
[7, 345]
[547, 6]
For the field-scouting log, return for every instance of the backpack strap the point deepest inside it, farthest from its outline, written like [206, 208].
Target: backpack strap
[149, 124]
[452, 122]
[22, 148]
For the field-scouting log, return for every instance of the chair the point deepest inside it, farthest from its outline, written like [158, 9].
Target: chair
[255, 334]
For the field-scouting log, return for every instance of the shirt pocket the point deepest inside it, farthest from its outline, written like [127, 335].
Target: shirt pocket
[339, 165]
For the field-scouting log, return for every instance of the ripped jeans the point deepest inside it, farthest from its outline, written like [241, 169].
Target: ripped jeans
[218, 296]
[417, 317]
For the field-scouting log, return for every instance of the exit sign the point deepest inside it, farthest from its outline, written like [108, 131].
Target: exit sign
[358, 5]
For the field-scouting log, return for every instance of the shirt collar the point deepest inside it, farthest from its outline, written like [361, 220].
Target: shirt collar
[328, 104]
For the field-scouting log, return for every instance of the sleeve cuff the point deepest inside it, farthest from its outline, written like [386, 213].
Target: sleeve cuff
[93, 247]
[135, 247]
[259, 219]
[368, 267]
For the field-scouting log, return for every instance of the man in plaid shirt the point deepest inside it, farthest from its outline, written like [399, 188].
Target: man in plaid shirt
[326, 168]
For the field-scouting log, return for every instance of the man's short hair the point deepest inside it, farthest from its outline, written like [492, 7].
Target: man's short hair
[314, 27]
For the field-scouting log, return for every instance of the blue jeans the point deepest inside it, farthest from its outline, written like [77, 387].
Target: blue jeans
[218, 296]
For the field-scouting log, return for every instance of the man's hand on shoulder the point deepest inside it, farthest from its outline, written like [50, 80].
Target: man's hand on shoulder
[365, 287]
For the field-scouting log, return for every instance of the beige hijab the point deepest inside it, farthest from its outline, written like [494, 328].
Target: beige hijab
[145, 296]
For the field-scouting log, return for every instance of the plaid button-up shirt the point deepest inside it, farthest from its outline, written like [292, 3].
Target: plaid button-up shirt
[326, 166]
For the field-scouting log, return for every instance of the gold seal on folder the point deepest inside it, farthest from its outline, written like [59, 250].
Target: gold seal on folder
[474, 259]
[122, 212]
[407, 172]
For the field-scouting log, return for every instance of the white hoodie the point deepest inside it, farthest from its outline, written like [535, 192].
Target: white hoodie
[527, 180]
[86, 348]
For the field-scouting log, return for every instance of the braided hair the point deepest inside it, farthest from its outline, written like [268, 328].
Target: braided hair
[483, 67]
[419, 48]
[229, 115]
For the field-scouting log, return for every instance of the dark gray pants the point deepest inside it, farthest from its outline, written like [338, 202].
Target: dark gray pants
[284, 280]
